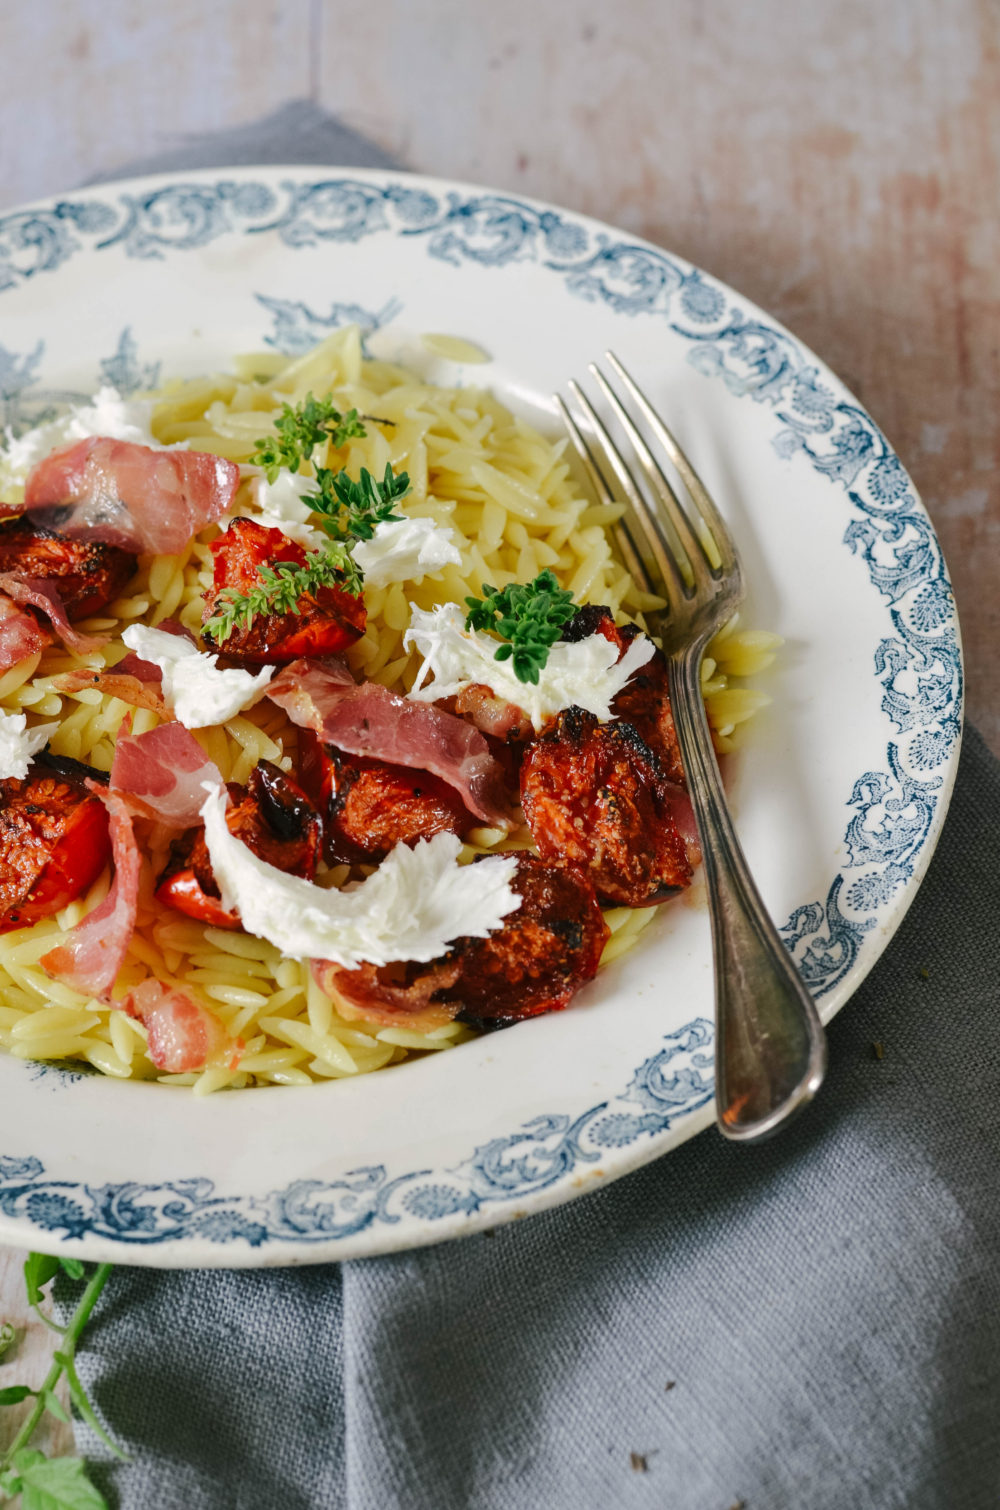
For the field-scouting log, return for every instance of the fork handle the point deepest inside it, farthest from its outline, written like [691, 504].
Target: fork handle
[770, 1049]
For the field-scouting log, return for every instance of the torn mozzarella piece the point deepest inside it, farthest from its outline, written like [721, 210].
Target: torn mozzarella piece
[278, 506]
[587, 673]
[410, 908]
[405, 550]
[199, 692]
[18, 744]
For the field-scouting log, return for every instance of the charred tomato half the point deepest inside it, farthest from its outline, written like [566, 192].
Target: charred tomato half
[54, 840]
[273, 817]
[327, 621]
[595, 795]
[87, 574]
[370, 806]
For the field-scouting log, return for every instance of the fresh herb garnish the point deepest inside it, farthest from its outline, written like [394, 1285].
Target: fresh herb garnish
[281, 589]
[55, 1483]
[346, 511]
[350, 510]
[529, 616]
[300, 430]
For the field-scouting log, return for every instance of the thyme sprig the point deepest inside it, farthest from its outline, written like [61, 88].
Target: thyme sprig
[528, 616]
[346, 510]
[300, 430]
[282, 587]
[55, 1483]
[350, 510]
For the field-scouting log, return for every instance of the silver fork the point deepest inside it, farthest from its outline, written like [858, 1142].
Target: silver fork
[770, 1050]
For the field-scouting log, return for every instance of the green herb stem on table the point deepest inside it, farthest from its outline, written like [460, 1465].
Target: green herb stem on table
[54, 1483]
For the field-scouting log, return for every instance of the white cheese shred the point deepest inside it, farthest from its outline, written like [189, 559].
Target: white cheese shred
[586, 673]
[18, 744]
[417, 902]
[278, 505]
[405, 550]
[193, 684]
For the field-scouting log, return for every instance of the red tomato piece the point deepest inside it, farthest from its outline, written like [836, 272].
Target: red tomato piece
[369, 806]
[273, 817]
[644, 701]
[327, 621]
[86, 574]
[595, 795]
[54, 840]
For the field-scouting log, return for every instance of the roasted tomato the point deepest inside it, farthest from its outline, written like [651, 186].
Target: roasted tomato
[87, 575]
[273, 817]
[535, 963]
[595, 795]
[325, 623]
[369, 806]
[645, 701]
[542, 955]
[54, 840]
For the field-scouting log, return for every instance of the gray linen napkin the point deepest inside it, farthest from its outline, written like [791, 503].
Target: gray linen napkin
[813, 1324]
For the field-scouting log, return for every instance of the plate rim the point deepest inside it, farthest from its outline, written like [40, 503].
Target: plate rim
[393, 1233]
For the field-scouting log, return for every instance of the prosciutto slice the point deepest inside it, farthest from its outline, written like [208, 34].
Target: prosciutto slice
[132, 679]
[370, 720]
[161, 774]
[21, 634]
[91, 957]
[137, 683]
[371, 994]
[41, 594]
[183, 1035]
[128, 495]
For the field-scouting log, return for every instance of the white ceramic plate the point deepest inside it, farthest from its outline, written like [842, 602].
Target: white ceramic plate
[839, 795]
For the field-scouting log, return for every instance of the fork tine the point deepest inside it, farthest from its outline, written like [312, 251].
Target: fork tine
[665, 564]
[698, 560]
[699, 493]
[623, 537]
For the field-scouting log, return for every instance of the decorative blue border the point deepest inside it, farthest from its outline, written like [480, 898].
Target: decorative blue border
[918, 665]
[673, 1082]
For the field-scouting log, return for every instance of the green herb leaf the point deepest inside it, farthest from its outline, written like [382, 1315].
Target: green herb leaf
[60, 1484]
[281, 589]
[300, 430]
[8, 1336]
[350, 510]
[54, 1405]
[14, 1394]
[39, 1269]
[73, 1267]
[55, 1483]
[529, 616]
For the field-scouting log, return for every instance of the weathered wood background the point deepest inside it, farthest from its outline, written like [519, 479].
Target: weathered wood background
[837, 161]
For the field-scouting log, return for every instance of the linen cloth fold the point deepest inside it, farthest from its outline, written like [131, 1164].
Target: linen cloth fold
[812, 1324]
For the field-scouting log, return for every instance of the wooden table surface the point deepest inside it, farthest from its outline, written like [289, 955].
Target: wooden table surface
[836, 161]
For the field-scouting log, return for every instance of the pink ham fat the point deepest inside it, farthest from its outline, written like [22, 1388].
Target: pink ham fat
[131, 496]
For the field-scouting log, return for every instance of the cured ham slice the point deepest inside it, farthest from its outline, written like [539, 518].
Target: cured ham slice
[132, 496]
[91, 957]
[183, 1035]
[135, 681]
[397, 996]
[369, 720]
[45, 597]
[21, 634]
[161, 774]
